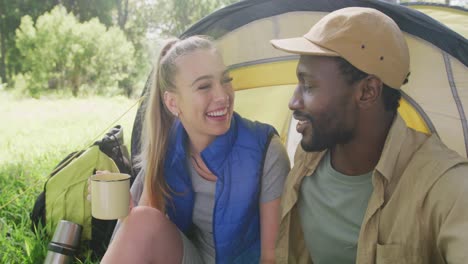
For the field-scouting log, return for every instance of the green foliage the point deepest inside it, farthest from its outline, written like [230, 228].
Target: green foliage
[19, 244]
[173, 17]
[10, 16]
[36, 135]
[85, 10]
[148, 21]
[136, 29]
[60, 52]
[12, 11]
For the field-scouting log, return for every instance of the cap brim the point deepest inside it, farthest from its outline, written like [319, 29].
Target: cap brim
[301, 46]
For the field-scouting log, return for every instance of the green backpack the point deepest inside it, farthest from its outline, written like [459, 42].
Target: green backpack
[65, 192]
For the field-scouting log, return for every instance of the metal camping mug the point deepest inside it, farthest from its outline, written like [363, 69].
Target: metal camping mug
[110, 195]
[64, 244]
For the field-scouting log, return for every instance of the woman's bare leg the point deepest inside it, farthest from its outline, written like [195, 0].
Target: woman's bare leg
[145, 236]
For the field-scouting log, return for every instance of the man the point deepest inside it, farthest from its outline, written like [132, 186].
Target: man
[365, 188]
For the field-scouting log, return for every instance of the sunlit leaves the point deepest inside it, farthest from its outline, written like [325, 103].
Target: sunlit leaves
[59, 52]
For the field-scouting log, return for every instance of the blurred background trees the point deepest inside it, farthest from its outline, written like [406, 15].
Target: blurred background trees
[58, 51]
[81, 47]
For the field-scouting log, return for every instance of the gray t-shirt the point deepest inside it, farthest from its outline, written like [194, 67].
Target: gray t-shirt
[275, 169]
[331, 208]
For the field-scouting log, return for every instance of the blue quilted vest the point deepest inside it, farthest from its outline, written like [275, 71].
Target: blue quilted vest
[236, 158]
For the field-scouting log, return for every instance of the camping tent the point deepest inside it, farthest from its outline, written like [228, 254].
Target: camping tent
[451, 16]
[434, 101]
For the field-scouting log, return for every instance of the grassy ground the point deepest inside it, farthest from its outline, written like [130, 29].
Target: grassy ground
[34, 136]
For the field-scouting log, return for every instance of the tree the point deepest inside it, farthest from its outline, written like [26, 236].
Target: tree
[137, 18]
[122, 13]
[10, 16]
[173, 17]
[149, 20]
[2, 43]
[59, 52]
[85, 10]
[11, 12]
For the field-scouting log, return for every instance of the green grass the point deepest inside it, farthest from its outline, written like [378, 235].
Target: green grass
[34, 136]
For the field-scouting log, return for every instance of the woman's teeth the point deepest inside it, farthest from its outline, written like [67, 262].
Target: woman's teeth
[218, 113]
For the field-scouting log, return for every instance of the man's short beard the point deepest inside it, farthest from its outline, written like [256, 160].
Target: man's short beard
[324, 141]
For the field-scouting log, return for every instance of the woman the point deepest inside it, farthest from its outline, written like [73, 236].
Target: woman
[212, 179]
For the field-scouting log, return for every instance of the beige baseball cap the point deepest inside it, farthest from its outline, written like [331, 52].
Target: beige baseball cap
[365, 37]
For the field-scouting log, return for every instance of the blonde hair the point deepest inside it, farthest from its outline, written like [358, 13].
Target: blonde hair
[159, 120]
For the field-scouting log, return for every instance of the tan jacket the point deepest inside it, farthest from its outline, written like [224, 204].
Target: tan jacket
[417, 213]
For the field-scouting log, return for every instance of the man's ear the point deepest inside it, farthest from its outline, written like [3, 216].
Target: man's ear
[369, 91]
[170, 100]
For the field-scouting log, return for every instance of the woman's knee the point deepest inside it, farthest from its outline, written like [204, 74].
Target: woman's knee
[151, 228]
[149, 222]
[141, 215]
[145, 234]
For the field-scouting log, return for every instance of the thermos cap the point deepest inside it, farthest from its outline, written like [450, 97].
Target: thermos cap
[67, 233]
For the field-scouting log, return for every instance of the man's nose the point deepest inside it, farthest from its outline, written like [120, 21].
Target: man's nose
[296, 101]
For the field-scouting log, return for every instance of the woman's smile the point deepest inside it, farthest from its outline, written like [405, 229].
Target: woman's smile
[218, 114]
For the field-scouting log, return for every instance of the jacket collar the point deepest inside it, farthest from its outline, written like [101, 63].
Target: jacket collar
[216, 153]
[392, 148]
